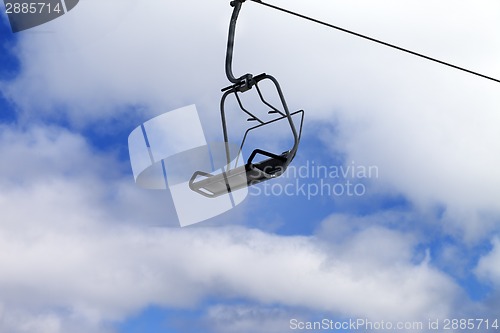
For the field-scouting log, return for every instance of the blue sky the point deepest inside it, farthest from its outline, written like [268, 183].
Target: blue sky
[83, 249]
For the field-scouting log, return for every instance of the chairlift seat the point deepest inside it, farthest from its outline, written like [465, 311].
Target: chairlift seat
[246, 175]
[252, 173]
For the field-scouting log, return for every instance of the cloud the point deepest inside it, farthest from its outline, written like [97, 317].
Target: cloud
[105, 274]
[243, 318]
[70, 255]
[98, 59]
[430, 130]
[73, 242]
[436, 155]
[487, 267]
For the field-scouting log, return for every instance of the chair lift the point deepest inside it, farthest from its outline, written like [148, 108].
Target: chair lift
[237, 177]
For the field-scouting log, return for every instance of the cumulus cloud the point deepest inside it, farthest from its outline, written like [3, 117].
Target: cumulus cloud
[431, 130]
[74, 252]
[488, 267]
[86, 66]
[69, 256]
[240, 318]
[104, 274]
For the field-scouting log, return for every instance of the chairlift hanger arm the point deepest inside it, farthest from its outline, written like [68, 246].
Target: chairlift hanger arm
[246, 79]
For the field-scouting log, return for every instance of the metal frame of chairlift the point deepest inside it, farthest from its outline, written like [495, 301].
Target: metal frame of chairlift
[234, 178]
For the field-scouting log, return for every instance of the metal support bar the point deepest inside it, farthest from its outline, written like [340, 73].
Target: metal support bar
[245, 81]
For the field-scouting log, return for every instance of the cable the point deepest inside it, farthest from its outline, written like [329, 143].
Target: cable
[374, 40]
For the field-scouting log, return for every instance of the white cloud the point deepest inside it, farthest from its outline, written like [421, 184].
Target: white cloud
[488, 267]
[72, 240]
[69, 255]
[243, 318]
[431, 130]
[107, 273]
[94, 60]
[438, 154]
